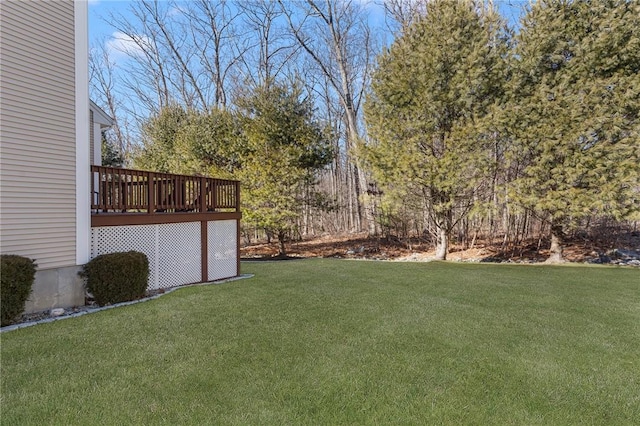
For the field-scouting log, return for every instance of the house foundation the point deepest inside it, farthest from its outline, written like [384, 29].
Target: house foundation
[56, 288]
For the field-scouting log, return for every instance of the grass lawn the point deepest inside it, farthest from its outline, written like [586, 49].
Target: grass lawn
[344, 342]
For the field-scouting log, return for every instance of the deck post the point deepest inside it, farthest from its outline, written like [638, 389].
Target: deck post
[237, 196]
[151, 202]
[238, 229]
[204, 244]
[203, 194]
[214, 194]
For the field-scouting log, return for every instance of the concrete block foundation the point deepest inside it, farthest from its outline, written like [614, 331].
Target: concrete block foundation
[56, 288]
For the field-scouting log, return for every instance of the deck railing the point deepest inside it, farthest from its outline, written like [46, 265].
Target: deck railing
[117, 190]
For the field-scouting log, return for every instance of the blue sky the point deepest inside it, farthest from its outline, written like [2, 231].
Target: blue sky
[99, 10]
[102, 32]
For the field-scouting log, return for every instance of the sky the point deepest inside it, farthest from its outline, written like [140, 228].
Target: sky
[99, 10]
[100, 31]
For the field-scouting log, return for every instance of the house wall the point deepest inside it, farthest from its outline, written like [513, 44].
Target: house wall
[96, 155]
[92, 139]
[39, 138]
[83, 167]
[98, 121]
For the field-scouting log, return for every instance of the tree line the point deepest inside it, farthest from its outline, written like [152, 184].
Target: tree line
[459, 127]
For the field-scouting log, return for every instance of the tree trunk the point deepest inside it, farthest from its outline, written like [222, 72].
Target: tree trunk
[442, 246]
[557, 236]
[281, 249]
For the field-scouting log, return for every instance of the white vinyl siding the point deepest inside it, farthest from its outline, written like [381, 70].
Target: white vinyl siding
[38, 132]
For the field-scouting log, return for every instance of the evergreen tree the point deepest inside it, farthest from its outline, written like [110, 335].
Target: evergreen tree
[210, 143]
[159, 135]
[111, 155]
[177, 140]
[272, 144]
[426, 110]
[573, 115]
[285, 147]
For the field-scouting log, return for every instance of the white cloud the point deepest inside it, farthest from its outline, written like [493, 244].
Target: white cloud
[176, 10]
[370, 4]
[121, 43]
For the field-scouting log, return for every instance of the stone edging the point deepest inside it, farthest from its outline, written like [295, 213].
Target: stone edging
[117, 305]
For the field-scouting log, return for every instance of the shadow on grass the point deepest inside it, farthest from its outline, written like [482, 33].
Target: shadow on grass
[271, 258]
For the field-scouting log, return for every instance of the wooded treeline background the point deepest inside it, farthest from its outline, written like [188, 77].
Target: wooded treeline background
[438, 121]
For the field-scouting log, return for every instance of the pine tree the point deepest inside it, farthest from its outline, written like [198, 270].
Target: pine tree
[272, 144]
[573, 116]
[178, 140]
[159, 135]
[426, 110]
[111, 155]
[285, 147]
[210, 143]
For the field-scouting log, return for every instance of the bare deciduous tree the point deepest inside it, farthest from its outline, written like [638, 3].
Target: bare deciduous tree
[272, 51]
[402, 13]
[337, 38]
[220, 47]
[102, 70]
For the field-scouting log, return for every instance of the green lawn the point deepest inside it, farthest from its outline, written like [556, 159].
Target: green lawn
[344, 342]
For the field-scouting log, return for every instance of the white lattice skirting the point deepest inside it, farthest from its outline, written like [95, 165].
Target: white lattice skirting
[223, 249]
[173, 249]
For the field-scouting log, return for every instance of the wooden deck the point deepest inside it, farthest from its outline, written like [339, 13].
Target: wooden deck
[135, 197]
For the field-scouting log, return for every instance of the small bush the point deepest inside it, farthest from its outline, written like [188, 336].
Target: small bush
[117, 277]
[16, 274]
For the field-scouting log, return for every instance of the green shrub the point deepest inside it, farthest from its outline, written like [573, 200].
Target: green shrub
[16, 274]
[117, 277]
